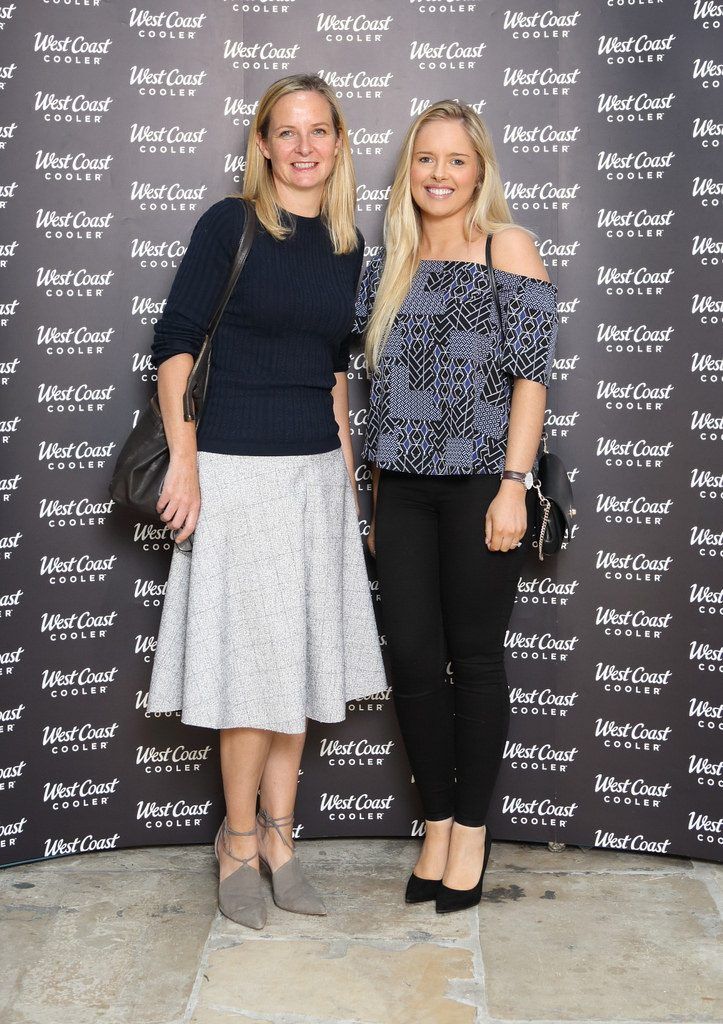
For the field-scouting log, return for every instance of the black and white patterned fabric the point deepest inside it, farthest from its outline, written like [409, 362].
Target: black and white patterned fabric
[440, 397]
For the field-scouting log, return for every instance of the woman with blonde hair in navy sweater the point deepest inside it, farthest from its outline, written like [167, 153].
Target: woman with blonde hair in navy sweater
[267, 619]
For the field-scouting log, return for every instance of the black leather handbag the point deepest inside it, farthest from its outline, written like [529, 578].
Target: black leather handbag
[143, 460]
[554, 509]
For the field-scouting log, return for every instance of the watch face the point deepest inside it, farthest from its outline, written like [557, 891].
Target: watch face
[528, 480]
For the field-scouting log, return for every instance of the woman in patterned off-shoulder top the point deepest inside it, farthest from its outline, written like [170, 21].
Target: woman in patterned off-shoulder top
[455, 420]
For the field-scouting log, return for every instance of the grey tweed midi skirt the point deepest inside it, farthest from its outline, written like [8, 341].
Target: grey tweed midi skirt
[268, 620]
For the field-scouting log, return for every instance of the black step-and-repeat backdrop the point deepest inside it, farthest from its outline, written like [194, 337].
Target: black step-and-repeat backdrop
[119, 125]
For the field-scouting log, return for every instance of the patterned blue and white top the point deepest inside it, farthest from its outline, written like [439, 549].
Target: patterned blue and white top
[440, 396]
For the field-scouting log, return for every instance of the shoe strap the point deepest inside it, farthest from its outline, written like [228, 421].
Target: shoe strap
[266, 821]
[225, 832]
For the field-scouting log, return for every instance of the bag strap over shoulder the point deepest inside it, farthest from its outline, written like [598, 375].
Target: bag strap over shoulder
[199, 373]
[493, 282]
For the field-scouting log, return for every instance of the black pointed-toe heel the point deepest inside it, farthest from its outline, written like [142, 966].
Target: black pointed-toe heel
[449, 900]
[421, 890]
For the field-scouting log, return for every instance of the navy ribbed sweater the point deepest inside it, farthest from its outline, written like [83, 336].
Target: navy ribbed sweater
[284, 335]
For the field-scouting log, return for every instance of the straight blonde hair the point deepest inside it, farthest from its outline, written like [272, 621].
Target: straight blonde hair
[488, 212]
[339, 196]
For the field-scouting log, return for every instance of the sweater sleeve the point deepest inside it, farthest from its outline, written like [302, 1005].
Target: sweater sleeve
[199, 281]
[341, 361]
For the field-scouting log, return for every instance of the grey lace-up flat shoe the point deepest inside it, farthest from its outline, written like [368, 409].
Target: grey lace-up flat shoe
[291, 889]
[240, 894]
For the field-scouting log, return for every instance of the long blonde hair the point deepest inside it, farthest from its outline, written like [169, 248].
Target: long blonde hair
[339, 196]
[488, 212]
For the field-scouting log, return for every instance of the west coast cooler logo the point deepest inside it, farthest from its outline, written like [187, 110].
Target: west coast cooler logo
[65, 796]
[157, 255]
[545, 590]
[539, 139]
[165, 25]
[9, 487]
[707, 131]
[634, 108]
[708, 830]
[76, 512]
[545, 811]
[707, 772]
[631, 735]
[240, 112]
[642, 49]
[259, 56]
[629, 167]
[166, 760]
[629, 338]
[709, 715]
[85, 625]
[360, 85]
[72, 226]
[448, 56]
[546, 195]
[544, 702]
[707, 425]
[9, 775]
[631, 679]
[539, 756]
[539, 646]
[80, 844]
[540, 25]
[68, 50]
[77, 569]
[638, 843]
[354, 28]
[9, 717]
[9, 660]
[353, 807]
[708, 543]
[10, 830]
[75, 398]
[9, 602]
[362, 752]
[166, 81]
[78, 738]
[631, 792]
[632, 623]
[178, 814]
[375, 702]
[73, 341]
[81, 283]
[707, 308]
[639, 567]
[633, 454]
[708, 250]
[533, 82]
[76, 455]
[77, 682]
[71, 109]
[168, 140]
[632, 511]
[708, 656]
[9, 544]
[633, 280]
[640, 223]
[166, 198]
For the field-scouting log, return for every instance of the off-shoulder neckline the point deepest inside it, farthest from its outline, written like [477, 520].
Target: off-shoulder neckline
[483, 266]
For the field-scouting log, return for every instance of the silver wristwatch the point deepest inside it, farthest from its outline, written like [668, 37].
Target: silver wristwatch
[521, 478]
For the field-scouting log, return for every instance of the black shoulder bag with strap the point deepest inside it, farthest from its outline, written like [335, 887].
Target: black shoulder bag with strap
[144, 458]
[554, 505]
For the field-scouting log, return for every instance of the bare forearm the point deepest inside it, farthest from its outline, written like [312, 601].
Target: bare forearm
[340, 398]
[172, 377]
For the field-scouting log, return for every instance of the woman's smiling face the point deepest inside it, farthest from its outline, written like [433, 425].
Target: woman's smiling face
[301, 143]
[445, 169]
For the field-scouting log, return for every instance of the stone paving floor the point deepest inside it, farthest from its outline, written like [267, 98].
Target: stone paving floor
[133, 937]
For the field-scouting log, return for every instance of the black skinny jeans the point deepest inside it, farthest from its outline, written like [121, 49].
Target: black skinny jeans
[445, 596]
